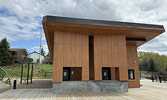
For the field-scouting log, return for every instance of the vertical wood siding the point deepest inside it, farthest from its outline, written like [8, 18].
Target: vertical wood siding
[110, 51]
[133, 64]
[70, 50]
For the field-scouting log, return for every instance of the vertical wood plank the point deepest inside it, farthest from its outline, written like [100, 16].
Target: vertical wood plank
[114, 51]
[109, 52]
[104, 60]
[85, 58]
[73, 49]
[58, 37]
[122, 62]
[97, 58]
[113, 73]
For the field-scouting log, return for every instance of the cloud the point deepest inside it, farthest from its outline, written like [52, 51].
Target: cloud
[21, 19]
[45, 47]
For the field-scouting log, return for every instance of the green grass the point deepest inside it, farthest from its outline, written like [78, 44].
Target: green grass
[145, 75]
[15, 70]
[44, 68]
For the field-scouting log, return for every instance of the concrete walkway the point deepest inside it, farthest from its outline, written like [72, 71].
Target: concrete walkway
[149, 91]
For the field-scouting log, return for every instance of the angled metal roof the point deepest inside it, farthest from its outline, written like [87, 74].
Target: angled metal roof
[101, 22]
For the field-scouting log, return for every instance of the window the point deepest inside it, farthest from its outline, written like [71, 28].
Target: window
[131, 74]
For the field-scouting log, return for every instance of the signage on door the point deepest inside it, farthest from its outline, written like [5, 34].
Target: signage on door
[105, 74]
[65, 74]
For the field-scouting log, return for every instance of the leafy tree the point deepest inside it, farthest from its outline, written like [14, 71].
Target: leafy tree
[47, 59]
[152, 66]
[42, 52]
[149, 61]
[37, 60]
[6, 57]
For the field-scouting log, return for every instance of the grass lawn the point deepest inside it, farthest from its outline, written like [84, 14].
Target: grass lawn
[15, 70]
[145, 75]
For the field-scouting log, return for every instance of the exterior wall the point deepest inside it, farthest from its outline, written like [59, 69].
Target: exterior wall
[70, 50]
[133, 64]
[110, 51]
[18, 55]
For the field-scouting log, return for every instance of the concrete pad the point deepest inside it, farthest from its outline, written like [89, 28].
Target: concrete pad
[90, 86]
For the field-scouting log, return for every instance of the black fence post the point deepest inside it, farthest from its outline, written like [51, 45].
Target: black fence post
[32, 72]
[14, 84]
[21, 74]
[28, 72]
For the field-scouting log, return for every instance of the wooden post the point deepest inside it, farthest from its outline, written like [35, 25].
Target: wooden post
[28, 72]
[31, 73]
[21, 74]
[45, 75]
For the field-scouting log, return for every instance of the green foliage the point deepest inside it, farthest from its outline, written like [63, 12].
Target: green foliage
[15, 70]
[152, 66]
[47, 59]
[37, 60]
[149, 61]
[44, 68]
[6, 57]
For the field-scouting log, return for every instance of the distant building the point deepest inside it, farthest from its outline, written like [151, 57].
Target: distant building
[35, 57]
[18, 54]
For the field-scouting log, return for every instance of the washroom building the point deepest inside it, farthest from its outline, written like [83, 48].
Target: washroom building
[95, 55]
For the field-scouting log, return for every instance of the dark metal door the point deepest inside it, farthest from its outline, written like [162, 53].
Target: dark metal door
[106, 74]
[66, 74]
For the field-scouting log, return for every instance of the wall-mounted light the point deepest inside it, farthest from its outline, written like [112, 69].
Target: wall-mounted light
[135, 62]
[72, 72]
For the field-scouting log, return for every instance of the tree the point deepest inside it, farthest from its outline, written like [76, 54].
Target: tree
[149, 61]
[42, 52]
[6, 57]
[47, 59]
[152, 66]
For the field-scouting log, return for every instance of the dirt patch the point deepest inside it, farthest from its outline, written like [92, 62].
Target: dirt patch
[37, 83]
[4, 87]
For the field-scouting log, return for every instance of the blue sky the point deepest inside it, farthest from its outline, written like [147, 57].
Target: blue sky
[20, 20]
[30, 45]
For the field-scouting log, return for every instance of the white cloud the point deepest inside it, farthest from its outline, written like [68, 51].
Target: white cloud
[36, 48]
[23, 20]
[45, 47]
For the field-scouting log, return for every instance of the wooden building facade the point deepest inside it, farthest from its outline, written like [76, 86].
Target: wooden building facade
[84, 49]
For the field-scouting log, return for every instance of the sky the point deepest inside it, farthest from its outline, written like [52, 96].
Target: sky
[21, 20]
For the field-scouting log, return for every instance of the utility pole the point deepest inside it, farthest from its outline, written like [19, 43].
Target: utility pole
[40, 48]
